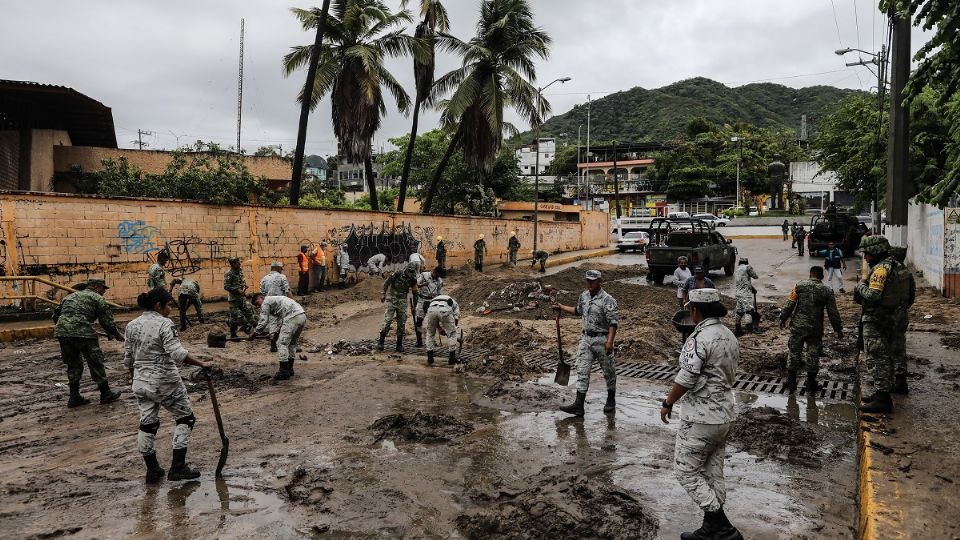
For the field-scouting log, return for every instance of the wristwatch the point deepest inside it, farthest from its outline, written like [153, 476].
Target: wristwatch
[666, 405]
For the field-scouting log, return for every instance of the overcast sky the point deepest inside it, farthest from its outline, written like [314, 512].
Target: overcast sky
[171, 67]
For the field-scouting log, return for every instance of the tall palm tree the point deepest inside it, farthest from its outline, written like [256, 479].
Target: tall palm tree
[434, 17]
[498, 71]
[350, 67]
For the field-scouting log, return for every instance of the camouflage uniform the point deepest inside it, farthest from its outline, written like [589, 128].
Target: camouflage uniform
[513, 246]
[156, 277]
[800, 236]
[708, 365]
[274, 284]
[805, 305]
[189, 294]
[883, 295]
[599, 313]
[441, 254]
[398, 285]
[479, 250]
[541, 257]
[343, 266]
[241, 312]
[444, 312]
[899, 345]
[290, 317]
[78, 340]
[153, 351]
[428, 288]
[745, 292]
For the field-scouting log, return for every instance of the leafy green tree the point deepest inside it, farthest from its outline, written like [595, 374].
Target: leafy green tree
[266, 151]
[351, 68]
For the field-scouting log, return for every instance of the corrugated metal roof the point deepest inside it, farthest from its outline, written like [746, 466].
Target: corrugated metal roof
[27, 104]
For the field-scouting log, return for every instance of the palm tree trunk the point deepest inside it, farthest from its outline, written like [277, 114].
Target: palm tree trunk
[371, 183]
[405, 175]
[305, 107]
[454, 143]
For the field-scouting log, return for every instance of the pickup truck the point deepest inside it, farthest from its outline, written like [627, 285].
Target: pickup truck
[840, 228]
[691, 238]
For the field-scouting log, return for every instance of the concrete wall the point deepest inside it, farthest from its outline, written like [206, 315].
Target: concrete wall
[43, 145]
[9, 160]
[72, 238]
[925, 237]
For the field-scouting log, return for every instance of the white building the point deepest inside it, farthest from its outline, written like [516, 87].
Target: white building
[527, 156]
[818, 187]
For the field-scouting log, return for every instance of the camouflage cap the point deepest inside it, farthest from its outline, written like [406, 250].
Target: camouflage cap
[97, 281]
[704, 296]
[592, 275]
[874, 245]
[276, 264]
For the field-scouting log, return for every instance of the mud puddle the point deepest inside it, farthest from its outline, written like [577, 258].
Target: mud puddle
[420, 428]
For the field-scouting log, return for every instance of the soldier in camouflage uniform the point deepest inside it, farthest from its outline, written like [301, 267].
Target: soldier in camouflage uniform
[745, 295]
[152, 352]
[513, 246]
[800, 236]
[441, 253]
[78, 340]
[443, 313]
[398, 284]
[343, 265]
[804, 308]
[156, 275]
[241, 313]
[540, 256]
[899, 347]
[429, 285]
[189, 295]
[291, 319]
[708, 365]
[275, 284]
[600, 321]
[883, 294]
[479, 251]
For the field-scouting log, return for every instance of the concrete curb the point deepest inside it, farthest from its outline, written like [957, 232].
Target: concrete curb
[561, 259]
[867, 509]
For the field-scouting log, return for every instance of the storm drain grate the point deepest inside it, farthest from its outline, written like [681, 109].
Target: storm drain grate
[748, 382]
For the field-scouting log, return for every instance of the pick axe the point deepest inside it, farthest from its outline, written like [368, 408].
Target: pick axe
[225, 449]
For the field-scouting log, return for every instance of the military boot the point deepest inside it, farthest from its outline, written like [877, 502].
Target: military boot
[452, 359]
[183, 324]
[430, 357]
[750, 329]
[273, 343]
[106, 394]
[791, 384]
[575, 408]
[900, 386]
[715, 526]
[179, 470]
[611, 404]
[399, 342]
[233, 330]
[380, 340]
[290, 365]
[283, 373]
[812, 385]
[739, 330]
[154, 471]
[76, 399]
[419, 338]
[881, 403]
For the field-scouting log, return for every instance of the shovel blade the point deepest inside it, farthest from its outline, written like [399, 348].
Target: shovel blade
[563, 374]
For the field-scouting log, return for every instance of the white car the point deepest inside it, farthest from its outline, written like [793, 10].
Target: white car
[634, 241]
[713, 220]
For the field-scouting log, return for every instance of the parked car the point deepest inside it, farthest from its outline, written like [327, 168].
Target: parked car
[713, 220]
[678, 215]
[634, 241]
[696, 240]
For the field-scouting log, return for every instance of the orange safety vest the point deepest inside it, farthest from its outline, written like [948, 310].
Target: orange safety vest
[320, 257]
[303, 262]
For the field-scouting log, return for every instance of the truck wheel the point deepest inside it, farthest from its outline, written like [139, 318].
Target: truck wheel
[728, 269]
[706, 267]
[656, 278]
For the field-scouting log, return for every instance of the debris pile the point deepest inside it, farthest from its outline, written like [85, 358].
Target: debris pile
[226, 378]
[346, 348]
[503, 345]
[420, 428]
[769, 434]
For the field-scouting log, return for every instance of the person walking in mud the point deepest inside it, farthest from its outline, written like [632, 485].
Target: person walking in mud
[343, 266]
[801, 237]
[241, 314]
[804, 309]
[698, 280]
[395, 289]
[745, 294]
[443, 313]
[708, 366]
[189, 295]
[73, 320]
[600, 322]
[540, 256]
[793, 234]
[441, 253]
[479, 251]
[429, 286]
[680, 277]
[899, 345]
[833, 261]
[513, 247]
[290, 319]
[275, 284]
[151, 353]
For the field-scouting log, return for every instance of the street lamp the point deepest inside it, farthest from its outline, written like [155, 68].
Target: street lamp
[536, 166]
[739, 142]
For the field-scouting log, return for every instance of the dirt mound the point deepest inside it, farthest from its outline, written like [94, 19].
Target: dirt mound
[560, 505]
[503, 344]
[227, 378]
[369, 288]
[952, 341]
[420, 428]
[770, 434]
[518, 396]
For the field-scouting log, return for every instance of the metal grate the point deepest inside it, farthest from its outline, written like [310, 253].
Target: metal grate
[748, 382]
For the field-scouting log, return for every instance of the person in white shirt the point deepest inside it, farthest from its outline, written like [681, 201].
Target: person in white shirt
[680, 276]
[291, 319]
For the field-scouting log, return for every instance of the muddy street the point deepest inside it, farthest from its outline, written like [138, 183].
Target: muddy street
[362, 444]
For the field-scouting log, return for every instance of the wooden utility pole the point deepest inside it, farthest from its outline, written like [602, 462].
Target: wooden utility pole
[898, 145]
[297, 175]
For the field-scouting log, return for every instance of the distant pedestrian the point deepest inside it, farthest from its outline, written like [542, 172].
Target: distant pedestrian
[698, 280]
[786, 229]
[377, 264]
[318, 265]
[479, 251]
[513, 247]
[793, 234]
[303, 272]
[290, 319]
[801, 237]
[343, 266]
[832, 261]
[189, 296]
[540, 256]
[441, 253]
[680, 277]
[804, 308]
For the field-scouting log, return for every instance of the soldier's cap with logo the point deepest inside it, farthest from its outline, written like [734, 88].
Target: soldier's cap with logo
[592, 275]
[874, 245]
[698, 269]
[97, 281]
[707, 297]
[232, 260]
[276, 264]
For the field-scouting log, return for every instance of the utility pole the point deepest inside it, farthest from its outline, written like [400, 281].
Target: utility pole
[536, 166]
[579, 175]
[898, 145]
[739, 142]
[297, 175]
[616, 191]
[240, 88]
[586, 170]
[139, 142]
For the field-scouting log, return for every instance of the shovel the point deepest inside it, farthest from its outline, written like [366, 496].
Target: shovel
[223, 436]
[563, 369]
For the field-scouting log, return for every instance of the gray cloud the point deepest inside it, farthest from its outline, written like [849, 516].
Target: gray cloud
[171, 67]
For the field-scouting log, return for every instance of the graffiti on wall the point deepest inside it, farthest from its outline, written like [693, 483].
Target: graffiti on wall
[951, 241]
[137, 237]
[186, 254]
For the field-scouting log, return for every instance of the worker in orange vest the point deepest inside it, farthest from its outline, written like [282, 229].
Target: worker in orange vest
[303, 271]
[319, 266]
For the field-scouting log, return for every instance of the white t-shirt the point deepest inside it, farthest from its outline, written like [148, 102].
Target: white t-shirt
[680, 276]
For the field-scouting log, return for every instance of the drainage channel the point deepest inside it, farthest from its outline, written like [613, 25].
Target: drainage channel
[748, 382]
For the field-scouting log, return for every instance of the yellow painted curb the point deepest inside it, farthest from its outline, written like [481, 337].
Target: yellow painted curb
[13, 334]
[866, 508]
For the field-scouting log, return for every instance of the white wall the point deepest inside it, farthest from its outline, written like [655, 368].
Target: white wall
[925, 242]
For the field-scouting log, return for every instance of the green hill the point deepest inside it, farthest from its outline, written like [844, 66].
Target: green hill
[658, 115]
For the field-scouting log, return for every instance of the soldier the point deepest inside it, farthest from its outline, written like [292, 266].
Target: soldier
[318, 265]
[899, 347]
[290, 319]
[189, 295]
[399, 284]
[513, 246]
[708, 365]
[429, 286]
[441, 253]
[600, 320]
[241, 314]
[78, 340]
[152, 353]
[746, 293]
[343, 265]
[883, 294]
[793, 234]
[377, 264]
[804, 308]
[417, 259]
[833, 260]
[540, 256]
[801, 236]
[479, 250]
[275, 284]
[443, 313]
[786, 229]
[303, 272]
[156, 275]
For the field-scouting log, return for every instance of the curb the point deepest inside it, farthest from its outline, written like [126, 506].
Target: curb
[557, 261]
[866, 505]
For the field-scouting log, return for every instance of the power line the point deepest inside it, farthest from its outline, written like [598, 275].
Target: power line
[836, 23]
[856, 20]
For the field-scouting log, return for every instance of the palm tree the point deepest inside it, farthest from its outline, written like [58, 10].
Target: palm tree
[434, 18]
[350, 67]
[497, 71]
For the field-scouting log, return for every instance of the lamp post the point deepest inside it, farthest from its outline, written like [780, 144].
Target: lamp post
[536, 166]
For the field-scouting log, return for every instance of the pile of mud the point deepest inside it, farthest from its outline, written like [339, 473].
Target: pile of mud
[503, 345]
[309, 486]
[368, 288]
[517, 396]
[227, 378]
[560, 505]
[952, 341]
[769, 434]
[420, 428]
[346, 348]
